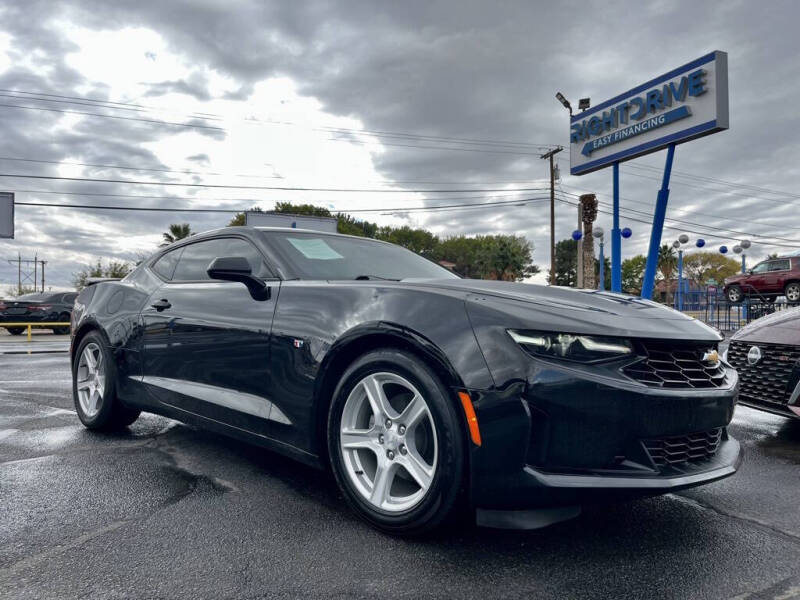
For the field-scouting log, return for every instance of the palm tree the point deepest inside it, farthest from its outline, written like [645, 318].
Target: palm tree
[177, 231]
[667, 263]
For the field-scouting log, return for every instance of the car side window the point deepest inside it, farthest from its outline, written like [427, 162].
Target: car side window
[195, 260]
[197, 257]
[760, 268]
[779, 265]
[69, 298]
[165, 266]
[239, 247]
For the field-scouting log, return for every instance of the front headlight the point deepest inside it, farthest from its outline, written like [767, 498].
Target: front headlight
[568, 346]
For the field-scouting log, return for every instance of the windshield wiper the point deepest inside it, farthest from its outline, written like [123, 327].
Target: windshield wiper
[367, 277]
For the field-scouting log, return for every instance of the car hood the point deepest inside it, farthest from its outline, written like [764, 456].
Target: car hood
[781, 327]
[735, 278]
[577, 311]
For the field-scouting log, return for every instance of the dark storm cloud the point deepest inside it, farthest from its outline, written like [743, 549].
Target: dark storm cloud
[457, 69]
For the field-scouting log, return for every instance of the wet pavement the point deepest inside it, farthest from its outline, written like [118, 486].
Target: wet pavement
[164, 510]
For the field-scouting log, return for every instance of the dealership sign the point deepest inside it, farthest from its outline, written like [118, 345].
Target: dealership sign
[686, 103]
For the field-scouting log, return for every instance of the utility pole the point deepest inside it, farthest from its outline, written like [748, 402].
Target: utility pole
[545, 156]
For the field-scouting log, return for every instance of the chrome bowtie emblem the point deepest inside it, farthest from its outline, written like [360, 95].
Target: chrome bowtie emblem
[711, 356]
[753, 355]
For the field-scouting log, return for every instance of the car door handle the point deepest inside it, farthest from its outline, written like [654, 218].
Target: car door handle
[162, 304]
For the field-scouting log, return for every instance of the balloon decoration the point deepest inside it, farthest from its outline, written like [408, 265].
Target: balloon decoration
[683, 238]
[723, 249]
[745, 244]
[737, 249]
[626, 232]
[700, 243]
[576, 235]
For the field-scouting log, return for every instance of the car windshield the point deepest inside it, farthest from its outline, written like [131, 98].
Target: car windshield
[320, 256]
[34, 297]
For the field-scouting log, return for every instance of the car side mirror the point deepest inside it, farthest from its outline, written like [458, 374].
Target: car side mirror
[237, 268]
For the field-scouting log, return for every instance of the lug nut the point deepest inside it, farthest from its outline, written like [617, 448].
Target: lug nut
[388, 423]
[403, 449]
[390, 454]
[401, 429]
[380, 438]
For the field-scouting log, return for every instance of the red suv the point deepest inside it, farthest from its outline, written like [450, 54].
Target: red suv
[768, 279]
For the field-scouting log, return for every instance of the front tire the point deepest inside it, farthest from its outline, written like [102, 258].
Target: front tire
[734, 294]
[94, 386]
[15, 330]
[62, 330]
[792, 291]
[396, 443]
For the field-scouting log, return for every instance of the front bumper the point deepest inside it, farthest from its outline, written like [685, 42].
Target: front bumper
[570, 435]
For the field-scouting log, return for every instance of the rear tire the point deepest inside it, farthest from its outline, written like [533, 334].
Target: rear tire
[734, 294]
[94, 386]
[792, 291]
[15, 330]
[62, 330]
[403, 466]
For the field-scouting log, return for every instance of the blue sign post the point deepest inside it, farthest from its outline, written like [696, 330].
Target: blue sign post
[684, 104]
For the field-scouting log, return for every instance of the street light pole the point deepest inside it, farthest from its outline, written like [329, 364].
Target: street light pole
[545, 156]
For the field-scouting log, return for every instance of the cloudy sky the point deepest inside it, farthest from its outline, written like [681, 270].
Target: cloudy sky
[392, 96]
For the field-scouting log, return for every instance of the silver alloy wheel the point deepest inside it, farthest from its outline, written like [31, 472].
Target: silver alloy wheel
[734, 294]
[388, 442]
[91, 379]
[793, 292]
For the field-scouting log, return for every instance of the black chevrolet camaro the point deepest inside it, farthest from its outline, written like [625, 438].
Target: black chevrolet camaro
[427, 395]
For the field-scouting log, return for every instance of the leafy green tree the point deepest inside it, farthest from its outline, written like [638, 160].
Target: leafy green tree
[420, 241]
[566, 264]
[115, 269]
[633, 274]
[702, 266]
[177, 231]
[505, 257]
[239, 218]
[351, 226]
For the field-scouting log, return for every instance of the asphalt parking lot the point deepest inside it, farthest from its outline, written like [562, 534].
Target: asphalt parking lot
[167, 511]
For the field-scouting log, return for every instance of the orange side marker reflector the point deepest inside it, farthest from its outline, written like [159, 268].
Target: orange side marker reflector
[472, 420]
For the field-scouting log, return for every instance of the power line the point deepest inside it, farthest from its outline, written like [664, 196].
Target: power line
[219, 117]
[676, 180]
[689, 212]
[222, 129]
[681, 229]
[258, 187]
[238, 210]
[88, 114]
[192, 198]
[129, 168]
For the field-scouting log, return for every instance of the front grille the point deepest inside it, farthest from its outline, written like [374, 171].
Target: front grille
[680, 449]
[767, 380]
[676, 365]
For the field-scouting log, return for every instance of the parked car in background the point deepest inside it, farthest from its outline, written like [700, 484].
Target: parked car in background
[766, 353]
[418, 389]
[768, 279]
[48, 307]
